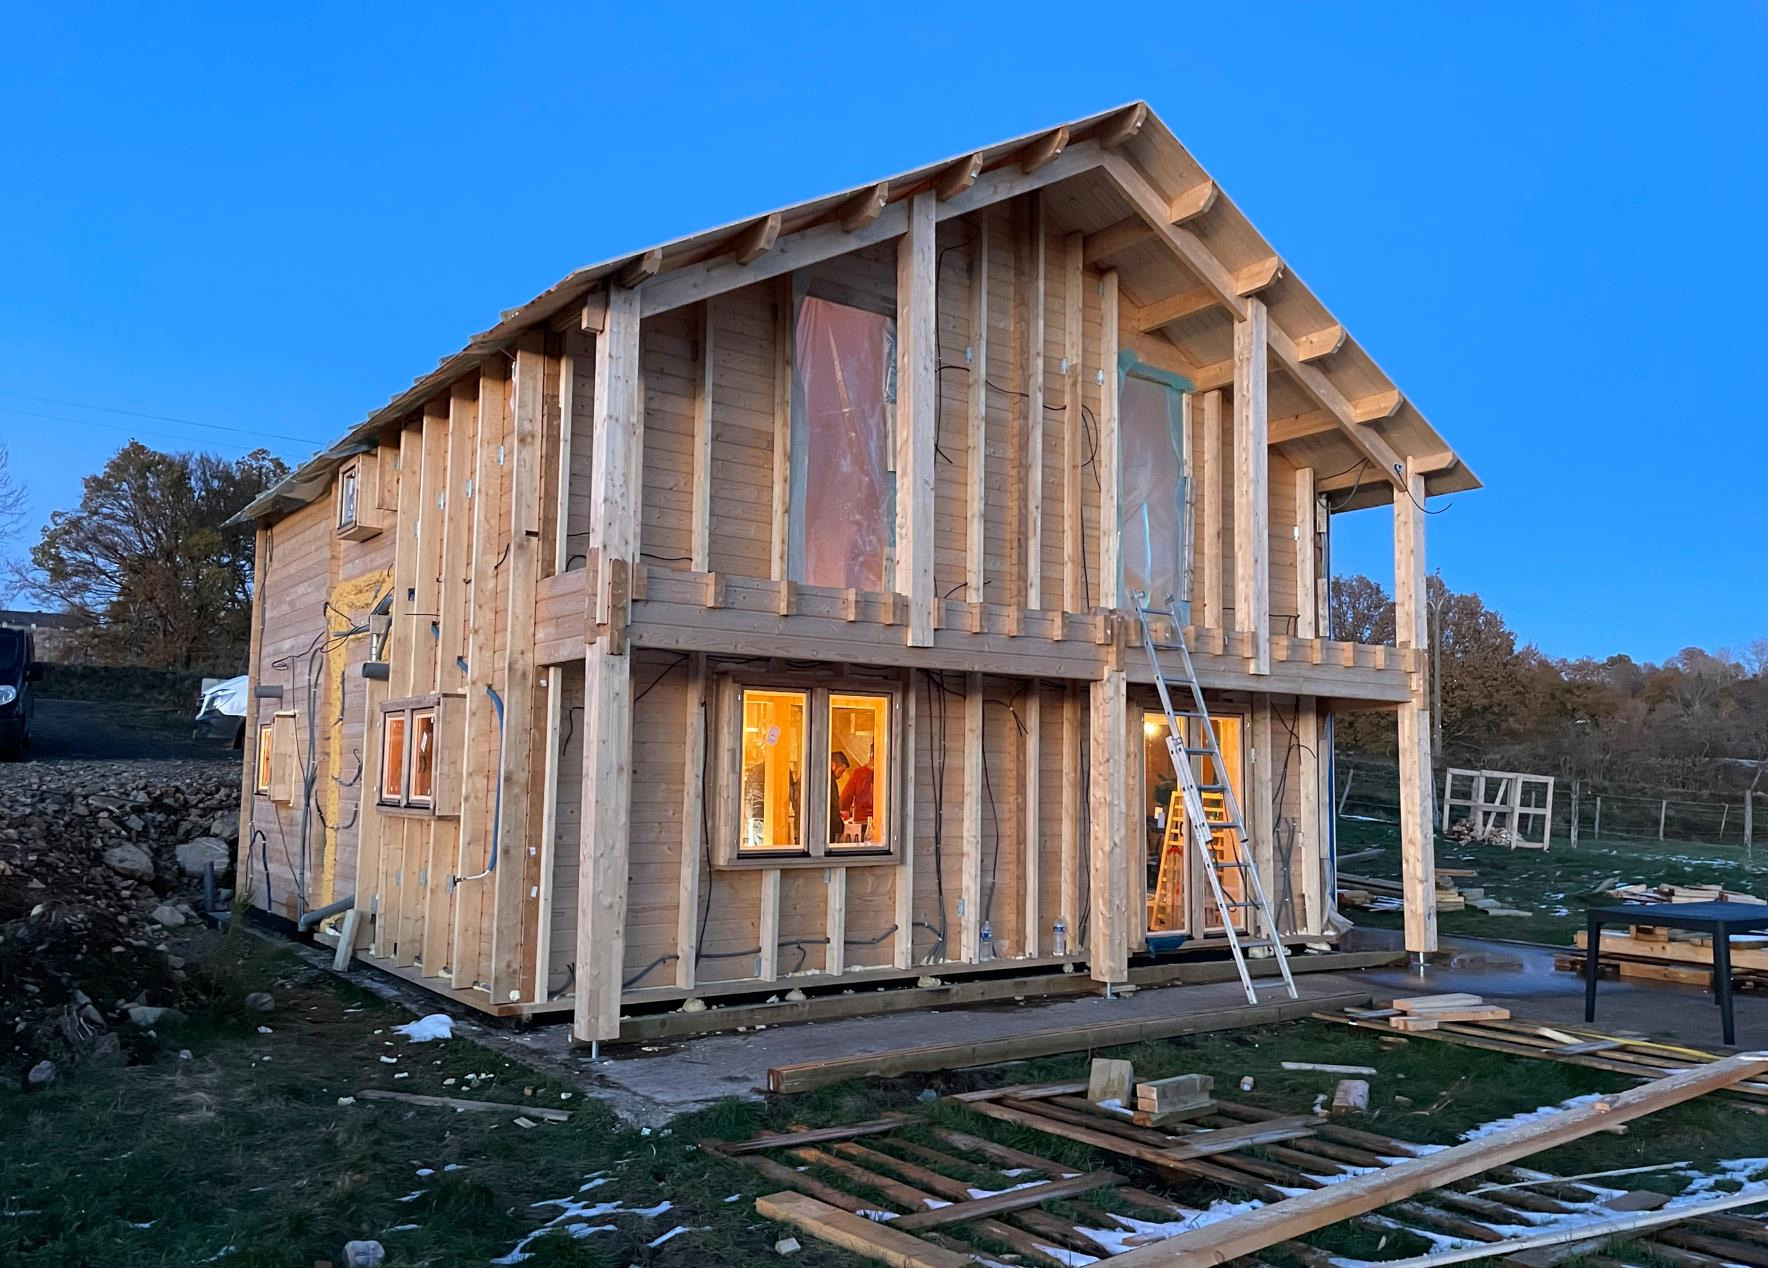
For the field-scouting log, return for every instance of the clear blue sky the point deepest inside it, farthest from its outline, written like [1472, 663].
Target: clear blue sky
[1543, 220]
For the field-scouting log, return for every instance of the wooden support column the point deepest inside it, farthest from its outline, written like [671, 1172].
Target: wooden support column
[397, 879]
[700, 531]
[768, 962]
[1073, 792]
[970, 858]
[903, 879]
[1074, 442]
[1209, 549]
[1307, 556]
[782, 432]
[615, 490]
[1412, 630]
[512, 902]
[1310, 840]
[1034, 412]
[1261, 812]
[1108, 871]
[976, 448]
[693, 825]
[835, 919]
[917, 383]
[483, 491]
[1252, 512]
[1110, 474]
[1031, 803]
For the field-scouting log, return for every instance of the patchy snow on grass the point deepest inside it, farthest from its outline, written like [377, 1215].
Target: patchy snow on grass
[1527, 1116]
[674, 1232]
[426, 1029]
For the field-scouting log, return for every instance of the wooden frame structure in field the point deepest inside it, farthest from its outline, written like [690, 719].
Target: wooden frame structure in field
[770, 587]
[1520, 804]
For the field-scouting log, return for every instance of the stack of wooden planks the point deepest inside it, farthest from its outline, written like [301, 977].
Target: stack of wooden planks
[1426, 1012]
[1681, 894]
[1377, 892]
[1162, 1101]
[1670, 955]
[909, 1195]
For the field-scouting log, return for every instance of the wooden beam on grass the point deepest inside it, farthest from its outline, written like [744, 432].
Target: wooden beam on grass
[863, 208]
[757, 240]
[614, 497]
[1252, 520]
[1253, 1231]
[865, 1237]
[958, 177]
[1042, 151]
[1011, 1200]
[917, 378]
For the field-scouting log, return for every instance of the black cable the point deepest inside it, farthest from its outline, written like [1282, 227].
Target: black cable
[680, 660]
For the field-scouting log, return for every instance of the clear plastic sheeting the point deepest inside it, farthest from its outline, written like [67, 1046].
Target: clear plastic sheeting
[1151, 432]
[843, 489]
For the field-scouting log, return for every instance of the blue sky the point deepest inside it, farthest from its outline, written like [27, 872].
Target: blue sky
[1543, 223]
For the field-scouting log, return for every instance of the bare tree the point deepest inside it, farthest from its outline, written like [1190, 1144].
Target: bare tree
[12, 498]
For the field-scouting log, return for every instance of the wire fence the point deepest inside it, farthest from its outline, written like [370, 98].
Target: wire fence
[1368, 789]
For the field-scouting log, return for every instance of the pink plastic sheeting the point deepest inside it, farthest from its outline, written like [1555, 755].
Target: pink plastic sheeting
[846, 517]
[1150, 428]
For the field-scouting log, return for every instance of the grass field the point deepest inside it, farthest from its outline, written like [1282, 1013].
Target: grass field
[1553, 885]
[242, 1154]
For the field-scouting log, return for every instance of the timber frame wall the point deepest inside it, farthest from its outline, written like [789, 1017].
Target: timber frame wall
[563, 537]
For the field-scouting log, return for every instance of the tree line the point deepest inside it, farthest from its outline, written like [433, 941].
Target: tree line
[1698, 720]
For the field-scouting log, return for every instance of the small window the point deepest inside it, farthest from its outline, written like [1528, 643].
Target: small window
[774, 747]
[360, 515]
[347, 493]
[265, 765]
[422, 789]
[811, 774]
[421, 754]
[393, 758]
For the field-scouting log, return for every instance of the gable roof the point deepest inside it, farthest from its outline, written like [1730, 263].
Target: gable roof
[1158, 214]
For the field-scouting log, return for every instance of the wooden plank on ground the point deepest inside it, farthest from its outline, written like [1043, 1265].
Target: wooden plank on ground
[1255, 1230]
[816, 1136]
[857, 1233]
[804, 1075]
[1011, 1200]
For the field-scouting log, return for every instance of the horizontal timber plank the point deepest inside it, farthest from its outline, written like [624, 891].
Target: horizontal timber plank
[853, 1232]
[805, 1075]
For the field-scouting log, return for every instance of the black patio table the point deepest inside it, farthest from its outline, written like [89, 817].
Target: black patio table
[1719, 919]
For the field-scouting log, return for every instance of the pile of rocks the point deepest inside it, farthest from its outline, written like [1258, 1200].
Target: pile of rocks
[99, 863]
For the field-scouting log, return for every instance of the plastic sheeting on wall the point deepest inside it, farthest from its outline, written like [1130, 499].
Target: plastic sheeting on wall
[843, 491]
[1151, 435]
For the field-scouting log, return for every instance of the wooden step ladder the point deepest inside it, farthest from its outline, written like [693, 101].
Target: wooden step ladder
[1203, 827]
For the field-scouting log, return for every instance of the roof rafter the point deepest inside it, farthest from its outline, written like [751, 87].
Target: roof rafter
[955, 179]
[1042, 150]
[863, 208]
[757, 240]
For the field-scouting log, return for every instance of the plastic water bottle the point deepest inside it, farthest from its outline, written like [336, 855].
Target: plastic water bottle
[987, 949]
[1059, 938]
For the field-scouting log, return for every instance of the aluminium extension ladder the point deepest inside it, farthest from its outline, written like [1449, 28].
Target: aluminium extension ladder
[1202, 827]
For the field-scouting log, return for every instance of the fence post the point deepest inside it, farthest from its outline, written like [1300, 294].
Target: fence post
[1749, 820]
[1663, 812]
[1344, 794]
[1596, 828]
[1576, 786]
[1724, 818]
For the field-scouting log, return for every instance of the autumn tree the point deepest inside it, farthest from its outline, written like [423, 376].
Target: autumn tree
[150, 559]
[1360, 610]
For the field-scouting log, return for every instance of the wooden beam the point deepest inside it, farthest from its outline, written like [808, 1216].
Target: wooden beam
[1252, 523]
[1412, 633]
[1211, 547]
[1074, 445]
[1319, 343]
[1073, 794]
[835, 919]
[1031, 816]
[700, 524]
[1163, 312]
[1375, 407]
[955, 179]
[641, 268]
[1194, 202]
[1258, 276]
[757, 240]
[1108, 464]
[769, 960]
[694, 847]
[1043, 150]
[1308, 377]
[1309, 854]
[970, 840]
[1035, 373]
[917, 379]
[865, 1237]
[615, 492]
[1315, 422]
[1113, 238]
[1108, 863]
[1253, 1231]
[1122, 126]
[863, 208]
[594, 317]
[781, 519]
[1010, 1200]
[1307, 621]
[902, 879]
[976, 445]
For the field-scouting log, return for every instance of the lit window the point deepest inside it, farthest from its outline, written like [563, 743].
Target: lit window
[772, 789]
[423, 753]
[843, 515]
[393, 759]
[264, 750]
[859, 766]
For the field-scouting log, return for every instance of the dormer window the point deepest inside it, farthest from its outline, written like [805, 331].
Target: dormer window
[359, 512]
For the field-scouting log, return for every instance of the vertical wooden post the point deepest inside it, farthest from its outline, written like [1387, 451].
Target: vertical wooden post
[970, 845]
[700, 531]
[1252, 512]
[1209, 548]
[782, 432]
[1547, 835]
[1109, 465]
[768, 962]
[693, 825]
[976, 448]
[1074, 443]
[1307, 620]
[903, 880]
[1108, 870]
[1663, 813]
[1073, 790]
[1034, 412]
[1031, 801]
[1417, 841]
[512, 901]
[1596, 826]
[1309, 840]
[917, 383]
[835, 919]
[1577, 788]
[1749, 820]
[615, 492]
[1261, 813]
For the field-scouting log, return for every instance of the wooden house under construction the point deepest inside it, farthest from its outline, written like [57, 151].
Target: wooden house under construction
[759, 610]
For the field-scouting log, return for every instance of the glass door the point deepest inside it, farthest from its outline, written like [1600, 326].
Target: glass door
[1179, 896]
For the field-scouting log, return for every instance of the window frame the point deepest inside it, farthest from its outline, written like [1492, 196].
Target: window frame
[265, 758]
[1196, 897]
[409, 709]
[726, 737]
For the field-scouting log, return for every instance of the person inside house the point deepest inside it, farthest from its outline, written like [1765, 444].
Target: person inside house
[856, 796]
[839, 765]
